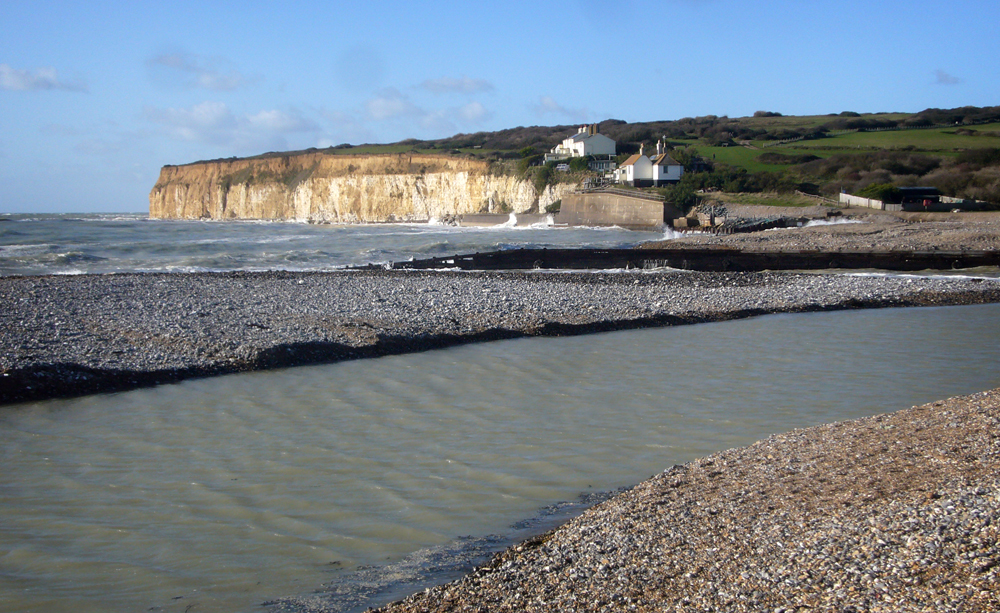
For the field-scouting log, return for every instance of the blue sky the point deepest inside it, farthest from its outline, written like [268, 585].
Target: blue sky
[96, 96]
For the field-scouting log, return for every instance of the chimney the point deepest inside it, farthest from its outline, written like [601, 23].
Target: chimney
[659, 147]
[641, 145]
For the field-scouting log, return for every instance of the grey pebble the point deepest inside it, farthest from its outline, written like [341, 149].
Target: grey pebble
[71, 335]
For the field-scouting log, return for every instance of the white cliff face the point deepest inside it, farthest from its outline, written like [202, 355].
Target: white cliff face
[342, 189]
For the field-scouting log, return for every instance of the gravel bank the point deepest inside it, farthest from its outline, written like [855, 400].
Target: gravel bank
[897, 512]
[71, 335]
[869, 231]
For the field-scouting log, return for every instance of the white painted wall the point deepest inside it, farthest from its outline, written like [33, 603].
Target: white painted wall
[672, 172]
[596, 144]
[640, 169]
[870, 203]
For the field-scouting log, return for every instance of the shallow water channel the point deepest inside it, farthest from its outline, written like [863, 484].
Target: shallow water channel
[223, 493]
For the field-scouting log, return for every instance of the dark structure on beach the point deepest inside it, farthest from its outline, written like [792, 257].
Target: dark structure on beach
[707, 260]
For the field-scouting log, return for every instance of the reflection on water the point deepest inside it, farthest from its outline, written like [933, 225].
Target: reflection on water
[225, 492]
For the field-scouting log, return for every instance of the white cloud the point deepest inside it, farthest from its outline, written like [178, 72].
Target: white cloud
[474, 112]
[214, 123]
[346, 128]
[198, 72]
[390, 104]
[438, 122]
[547, 105]
[943, 78]
[208, 122]
[12, 79]
[449, 85]
[280, 121]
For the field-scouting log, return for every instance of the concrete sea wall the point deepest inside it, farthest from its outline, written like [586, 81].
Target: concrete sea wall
[615, 209]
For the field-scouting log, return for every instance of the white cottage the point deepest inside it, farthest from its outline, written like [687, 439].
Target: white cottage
[641, 171]
[636, 171]
[666, 170]
[587, 141]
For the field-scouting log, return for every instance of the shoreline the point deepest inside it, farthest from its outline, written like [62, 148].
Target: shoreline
[833, 517]
[64, 336]
[781, 524]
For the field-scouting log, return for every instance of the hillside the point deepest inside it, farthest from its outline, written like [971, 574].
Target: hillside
[763, 130]
[954, 150]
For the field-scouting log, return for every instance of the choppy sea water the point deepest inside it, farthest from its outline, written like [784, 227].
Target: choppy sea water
[223, 493]
[103, 243]
[38, 244]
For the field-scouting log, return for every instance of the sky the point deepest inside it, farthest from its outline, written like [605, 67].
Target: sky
[95, 97]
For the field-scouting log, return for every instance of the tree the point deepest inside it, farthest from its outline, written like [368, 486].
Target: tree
[579, 164]
[525, 163]
[886, 192]
[681, 195]
[686, 157]
[541, 179]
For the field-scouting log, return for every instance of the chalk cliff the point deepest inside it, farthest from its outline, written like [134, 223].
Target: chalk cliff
[342, 188]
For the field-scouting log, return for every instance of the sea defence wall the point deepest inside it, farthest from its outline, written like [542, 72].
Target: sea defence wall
[615, 209]
[711, 259]
[323, 187]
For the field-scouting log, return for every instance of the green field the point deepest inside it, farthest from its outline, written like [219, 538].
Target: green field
[736, 156]
[398, 148]
[940, 141]
[376, 150]
[932, 139]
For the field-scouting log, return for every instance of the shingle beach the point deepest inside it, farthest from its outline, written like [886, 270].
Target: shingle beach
[72, 335]
[897, 512]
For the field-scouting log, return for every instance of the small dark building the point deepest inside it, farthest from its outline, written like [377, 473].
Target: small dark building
[921, 199]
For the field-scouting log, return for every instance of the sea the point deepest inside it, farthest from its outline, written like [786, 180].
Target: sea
[109, 243]
[353, 484]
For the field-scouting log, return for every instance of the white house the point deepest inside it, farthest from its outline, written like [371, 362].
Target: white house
[666, 170]
[641, 171]
[587, 141]
[637, 171]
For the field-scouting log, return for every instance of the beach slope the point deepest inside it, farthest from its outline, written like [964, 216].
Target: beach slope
[897, 512]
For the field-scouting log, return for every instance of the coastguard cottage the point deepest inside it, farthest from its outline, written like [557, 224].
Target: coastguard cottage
[641, 171]
[587, 142]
